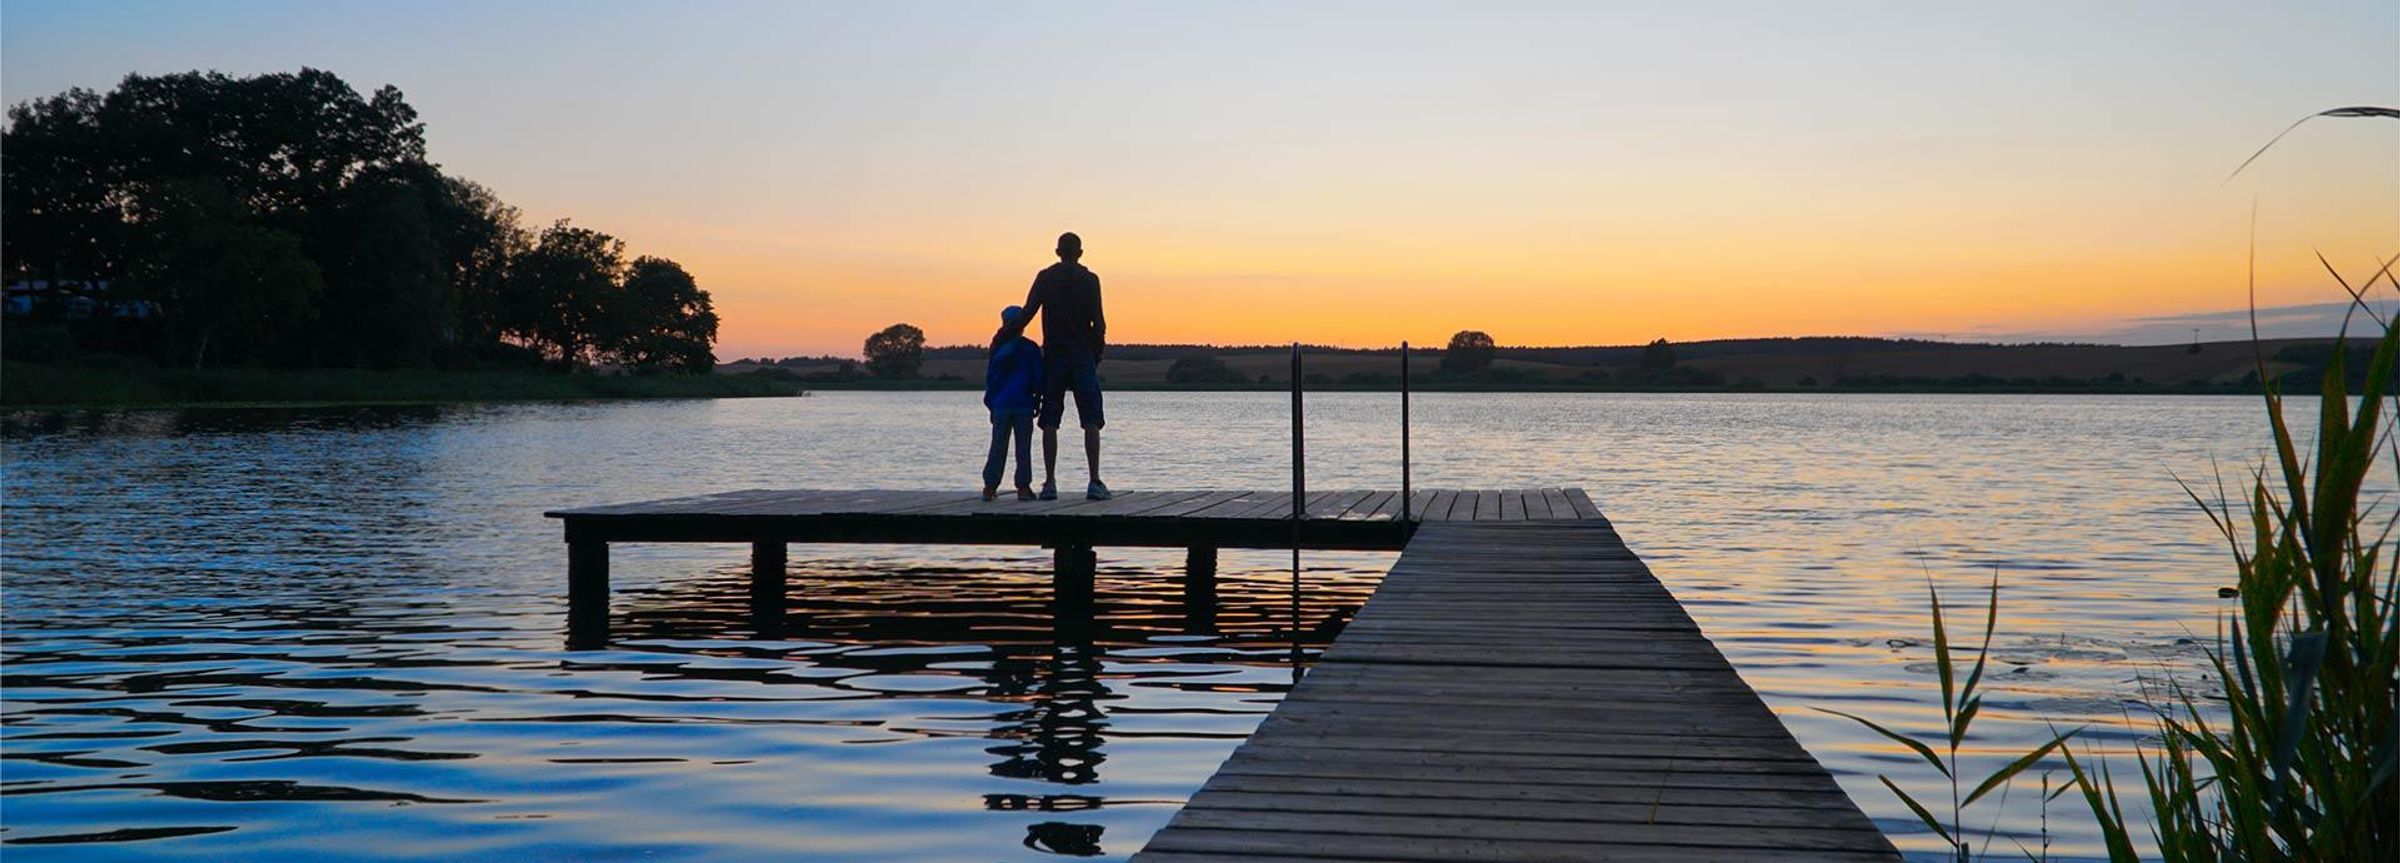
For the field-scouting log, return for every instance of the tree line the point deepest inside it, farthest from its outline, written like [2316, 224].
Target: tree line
[286, 220]
[898, 352]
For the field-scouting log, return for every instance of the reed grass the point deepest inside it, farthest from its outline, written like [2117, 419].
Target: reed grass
[2291, 756]
[1962, 701]
[2301, 764]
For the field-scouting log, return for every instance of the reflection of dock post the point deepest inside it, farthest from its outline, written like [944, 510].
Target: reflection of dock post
[767, 586]
[1200, 588]
[587, 593]
[1073, 568]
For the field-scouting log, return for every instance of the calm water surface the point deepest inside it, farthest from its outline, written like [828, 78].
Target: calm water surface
[259, 634]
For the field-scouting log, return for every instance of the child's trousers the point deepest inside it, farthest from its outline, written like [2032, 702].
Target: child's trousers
[1004, 425]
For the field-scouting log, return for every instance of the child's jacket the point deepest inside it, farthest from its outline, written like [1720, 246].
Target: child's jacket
[1012, 380]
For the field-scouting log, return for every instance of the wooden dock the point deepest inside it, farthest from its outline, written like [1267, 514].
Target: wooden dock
[1520, 691]
[1518, 688]
[1357, 519]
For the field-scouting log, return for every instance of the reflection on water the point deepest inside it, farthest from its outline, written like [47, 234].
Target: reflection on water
[257, 634]
[886, 697]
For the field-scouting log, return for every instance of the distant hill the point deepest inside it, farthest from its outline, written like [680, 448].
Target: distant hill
[1848, 362]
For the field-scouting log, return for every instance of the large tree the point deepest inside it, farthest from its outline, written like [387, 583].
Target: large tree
[388, 297]
[561, 290]
[896, 352]
[60, 216]
[669, 321]
[283, 143]
[480, 236]
[194, 189]
[1469, 351]
[286, 219]
[246, 293]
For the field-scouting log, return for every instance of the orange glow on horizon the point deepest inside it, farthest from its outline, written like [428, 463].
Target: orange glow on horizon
[1845, 273]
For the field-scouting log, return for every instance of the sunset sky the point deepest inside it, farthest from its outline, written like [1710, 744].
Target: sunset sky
[1366, 173]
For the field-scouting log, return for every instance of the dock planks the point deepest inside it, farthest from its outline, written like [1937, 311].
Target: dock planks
[1524, 690]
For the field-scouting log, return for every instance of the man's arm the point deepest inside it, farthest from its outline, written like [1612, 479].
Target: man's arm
[1015, 328]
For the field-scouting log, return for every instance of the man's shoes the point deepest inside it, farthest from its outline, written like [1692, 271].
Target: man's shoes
[1025, 492]
[1049, 490]
[990, 492]
[1096, 491]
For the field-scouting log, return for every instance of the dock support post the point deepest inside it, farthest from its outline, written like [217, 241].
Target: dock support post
[1200, 589]
[1073, 569]
[767, 585]
[587, 593]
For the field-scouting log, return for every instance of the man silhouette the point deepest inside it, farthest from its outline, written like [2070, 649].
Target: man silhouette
[1073, 336]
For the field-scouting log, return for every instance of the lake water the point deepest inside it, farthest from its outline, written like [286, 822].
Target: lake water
[250, 634]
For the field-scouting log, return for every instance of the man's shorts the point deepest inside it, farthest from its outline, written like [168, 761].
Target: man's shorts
[1069, 369]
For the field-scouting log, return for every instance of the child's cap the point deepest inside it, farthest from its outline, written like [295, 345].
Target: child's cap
[1009, 315]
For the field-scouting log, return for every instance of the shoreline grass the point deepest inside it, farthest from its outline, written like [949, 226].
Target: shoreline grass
[51, 386]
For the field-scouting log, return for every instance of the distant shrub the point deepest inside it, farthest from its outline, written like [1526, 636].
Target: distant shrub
[1469, 351]
[1658, 356]
[1204, 369]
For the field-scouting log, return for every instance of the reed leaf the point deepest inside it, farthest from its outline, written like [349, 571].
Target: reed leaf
[1922, 750]
[1983, 656]
[2306, 659]
[2001, 776]
[1941, 654]
[1966, 717]
[2101, 795]
[1922, 813]
[2354, 111]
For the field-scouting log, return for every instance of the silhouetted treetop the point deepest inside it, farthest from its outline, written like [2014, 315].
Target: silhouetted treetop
[1658, 356]
[896, 352]
[287, 219]
[1469, 351]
